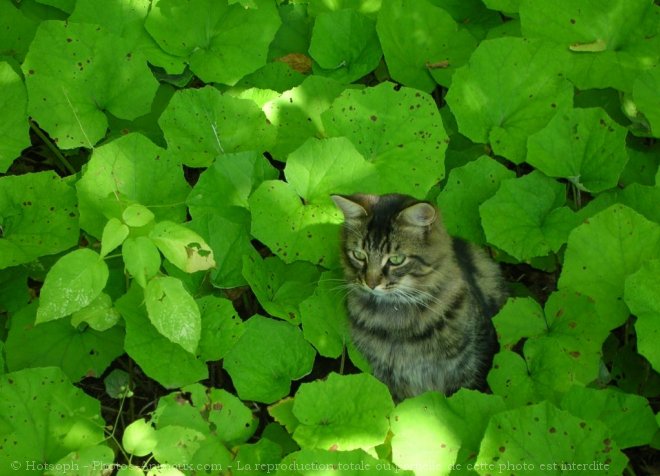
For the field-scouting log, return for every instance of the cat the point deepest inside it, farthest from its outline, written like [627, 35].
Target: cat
[419, 301]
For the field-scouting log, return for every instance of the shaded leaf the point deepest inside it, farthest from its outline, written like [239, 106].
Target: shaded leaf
[264, 373]
[584, 146]
[33, 207]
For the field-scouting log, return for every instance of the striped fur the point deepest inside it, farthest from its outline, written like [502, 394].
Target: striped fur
[420, 302]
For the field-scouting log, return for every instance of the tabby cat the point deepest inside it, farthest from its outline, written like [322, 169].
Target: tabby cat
[420, 302]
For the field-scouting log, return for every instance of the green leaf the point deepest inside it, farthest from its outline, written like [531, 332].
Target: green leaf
[630, 371]
[430, 55]
[227, 184]
[137, 215]
[280, 287]
[344, 45]
[230, 240]
[264, 373]
[114, 234]
[506, 6]
[71, 81]
[584, 146]
[343, 463]
[468, 187]
[399, 130]
[16, 31]
[628, 417]
[83, 461]
[139, 438]
[118, 384]
[123, 172]
[184, 248]
[234, 422]
[563, 346]
[258, 458]
[221, 327]
[212, 449]
[78, 352]
[642, 165]
[173, 312]
[366, 7]
[612, 43]
[540, 437]
[329, 411]
[512, 379]
[159, 358]
[219, 206]
[177, 409]
[323, 316]
[472, 15]
[646, 96]
[295, 33]
[216, 413]
[141, 258]
[14, 293]
[202, 124]
[126, 19]
[279, 435]
[32, 207]
[273, 77]
[314, 171]
[71, 284]
[175, 445]
[297, 113]
[64, 5]
[99, 314]
[520, 317]
[319, 168]
[498, 99]
[640, 198]
[29, 431]
[603, 252]
[282, 412]
[641, 295]
[211, 35]
[14, 135]
[526, 217]
[436, 430]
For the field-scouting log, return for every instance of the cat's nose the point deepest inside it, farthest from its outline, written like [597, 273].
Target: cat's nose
[372, 280]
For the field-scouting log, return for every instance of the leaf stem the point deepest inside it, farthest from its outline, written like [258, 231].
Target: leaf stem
[343, 359]
[114, 427]
[51, 146]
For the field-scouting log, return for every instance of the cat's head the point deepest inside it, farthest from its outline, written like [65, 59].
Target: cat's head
[391, 243]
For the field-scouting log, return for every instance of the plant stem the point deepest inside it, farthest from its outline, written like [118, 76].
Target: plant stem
[343, 359]
[51, 146]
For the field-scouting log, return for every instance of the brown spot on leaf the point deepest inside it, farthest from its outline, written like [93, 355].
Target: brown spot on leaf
[298, 62]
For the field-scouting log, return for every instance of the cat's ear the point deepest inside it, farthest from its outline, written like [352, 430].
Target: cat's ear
[349, 207]
[419, 214]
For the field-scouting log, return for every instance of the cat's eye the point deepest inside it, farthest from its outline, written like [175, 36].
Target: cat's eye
[359, 255]
[396, 259]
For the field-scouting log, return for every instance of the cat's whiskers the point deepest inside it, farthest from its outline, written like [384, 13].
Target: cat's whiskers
[418, 294]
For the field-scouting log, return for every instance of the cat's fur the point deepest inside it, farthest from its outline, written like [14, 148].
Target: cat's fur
[424, 324]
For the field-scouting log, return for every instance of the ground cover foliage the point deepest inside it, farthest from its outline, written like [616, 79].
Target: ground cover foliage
[169, 282]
